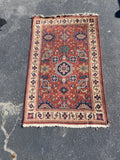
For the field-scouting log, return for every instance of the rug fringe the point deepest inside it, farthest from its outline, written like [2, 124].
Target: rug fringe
[66, 126]
[75, 14]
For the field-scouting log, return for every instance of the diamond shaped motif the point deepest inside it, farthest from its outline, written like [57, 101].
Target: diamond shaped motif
[63, 68]
[49, 37]
[64, 36]
[63, 90]
[80, 36]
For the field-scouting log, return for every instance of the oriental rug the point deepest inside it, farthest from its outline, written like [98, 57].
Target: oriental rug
[64, 82]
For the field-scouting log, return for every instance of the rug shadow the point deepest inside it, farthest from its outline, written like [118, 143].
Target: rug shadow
[117, 14]
[2, 22]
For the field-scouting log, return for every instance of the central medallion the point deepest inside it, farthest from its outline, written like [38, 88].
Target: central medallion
[63, 68]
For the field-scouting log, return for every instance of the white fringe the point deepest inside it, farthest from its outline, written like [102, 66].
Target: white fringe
[75, 14]
[66, 126]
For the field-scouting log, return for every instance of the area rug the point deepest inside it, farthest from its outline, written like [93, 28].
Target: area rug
[65, 82]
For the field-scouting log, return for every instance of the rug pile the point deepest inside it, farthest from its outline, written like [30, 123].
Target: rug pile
[64, 81]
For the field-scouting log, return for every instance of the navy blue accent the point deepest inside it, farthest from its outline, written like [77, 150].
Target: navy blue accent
[73, 78]
[55, 59]
[65, 65]
[73, 59]
[81, 102]
[54, 78]
[53, 36]
[46, 102]
[78, 38]
[63, 90]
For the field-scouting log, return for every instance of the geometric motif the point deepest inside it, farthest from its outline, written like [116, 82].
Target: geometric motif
[46, 55]
[55, 59]
[64, 83]
[80, 36]
[73, 59]
[54, 78]
[48, 37]
[64, 49]
[81, 53]
[83, 83]
[73, 78]
[45, 84]
[64, 36]
[63, 68]
[63, 90]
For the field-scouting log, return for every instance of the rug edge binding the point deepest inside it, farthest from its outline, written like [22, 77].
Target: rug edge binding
[65, 126]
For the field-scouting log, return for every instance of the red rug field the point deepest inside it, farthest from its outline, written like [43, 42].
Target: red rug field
[64, 82]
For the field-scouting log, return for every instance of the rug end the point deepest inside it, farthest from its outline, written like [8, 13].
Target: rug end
[59, 15]
[66, 126]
